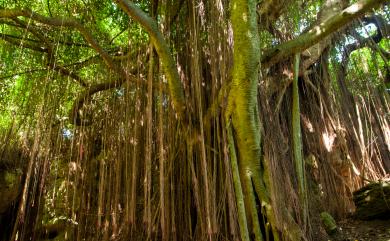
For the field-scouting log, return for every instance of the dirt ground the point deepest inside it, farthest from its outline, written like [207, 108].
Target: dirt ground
[358, 230]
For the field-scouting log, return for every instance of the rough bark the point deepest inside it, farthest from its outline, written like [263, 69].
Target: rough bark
[243, 107]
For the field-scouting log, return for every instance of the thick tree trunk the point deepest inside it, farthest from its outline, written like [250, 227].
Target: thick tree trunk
[243, 109]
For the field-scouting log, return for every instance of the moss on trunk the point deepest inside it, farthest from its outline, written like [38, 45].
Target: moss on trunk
[243, 110]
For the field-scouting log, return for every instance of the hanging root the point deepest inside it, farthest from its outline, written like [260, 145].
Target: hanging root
[237, 186]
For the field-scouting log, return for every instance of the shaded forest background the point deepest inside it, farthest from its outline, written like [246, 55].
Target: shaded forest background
[189, 120]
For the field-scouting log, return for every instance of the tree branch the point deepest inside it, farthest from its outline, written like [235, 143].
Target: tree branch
[163, 51]
[269, 11]
[64, 22]
[51, 61]
[71, 23]
[319, 32]
[20, 43]
[71, 44]
[369, 41]
[74, 115]
[22, 73]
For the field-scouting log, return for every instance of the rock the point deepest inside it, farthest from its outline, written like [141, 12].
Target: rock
[10, 186]
[373, 201]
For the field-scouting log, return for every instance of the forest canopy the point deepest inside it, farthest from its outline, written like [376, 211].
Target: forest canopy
[190, 119]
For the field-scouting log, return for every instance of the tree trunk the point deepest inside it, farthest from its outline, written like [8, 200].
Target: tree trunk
[243, 109]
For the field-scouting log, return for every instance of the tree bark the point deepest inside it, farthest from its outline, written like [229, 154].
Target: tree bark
[243, 106]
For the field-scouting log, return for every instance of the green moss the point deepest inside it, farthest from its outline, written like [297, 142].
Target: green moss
[11, 178]
[329, 223]
[242, 107]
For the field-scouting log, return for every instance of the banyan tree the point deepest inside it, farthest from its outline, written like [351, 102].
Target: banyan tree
[189, 119]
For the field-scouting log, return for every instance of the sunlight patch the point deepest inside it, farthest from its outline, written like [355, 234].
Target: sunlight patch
[328, 139]
[353, 9]
[244, 17]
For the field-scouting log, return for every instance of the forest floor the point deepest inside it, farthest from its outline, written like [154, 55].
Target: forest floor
[359, 230]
